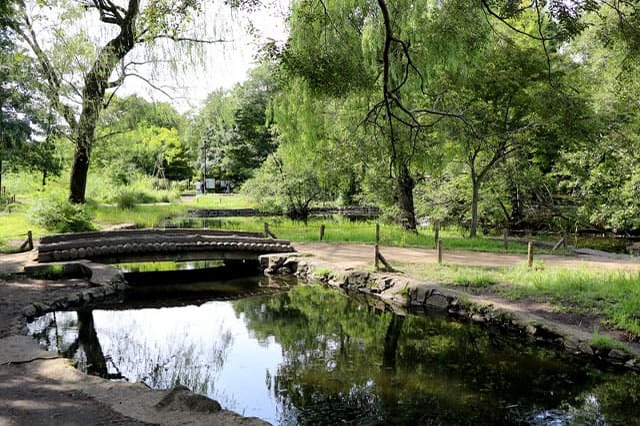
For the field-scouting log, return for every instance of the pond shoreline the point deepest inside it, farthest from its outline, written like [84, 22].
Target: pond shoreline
[531, 319]
[41, 386]
[27, 367]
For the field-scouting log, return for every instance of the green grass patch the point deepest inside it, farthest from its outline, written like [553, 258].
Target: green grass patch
[143, 215]
[321, 272]
[476, 279]
[13, 230]
[611, 294]
[223, 201]
[604, 342]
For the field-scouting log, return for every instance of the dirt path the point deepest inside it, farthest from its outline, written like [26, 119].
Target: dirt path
[361, 256]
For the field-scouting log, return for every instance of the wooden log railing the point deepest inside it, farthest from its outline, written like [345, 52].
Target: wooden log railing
[177, 244]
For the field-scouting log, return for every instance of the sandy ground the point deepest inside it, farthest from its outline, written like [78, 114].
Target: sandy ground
[40, 388]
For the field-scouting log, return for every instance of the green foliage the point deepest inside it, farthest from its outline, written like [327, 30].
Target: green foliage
[55, 213]
[138, 137]
[233, 132]
[605, 342]
[127, 199]
[478, 279]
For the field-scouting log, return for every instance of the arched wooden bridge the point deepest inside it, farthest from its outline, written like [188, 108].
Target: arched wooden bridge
[146, 245]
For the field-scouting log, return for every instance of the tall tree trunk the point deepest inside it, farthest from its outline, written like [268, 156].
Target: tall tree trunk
[475, 197]
[96, 83]
[79, 171]
[405, 185]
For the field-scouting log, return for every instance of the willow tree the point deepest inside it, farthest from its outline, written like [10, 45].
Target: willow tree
[393, 55]
[85, 51]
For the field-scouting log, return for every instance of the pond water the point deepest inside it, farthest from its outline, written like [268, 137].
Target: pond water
[312, 355]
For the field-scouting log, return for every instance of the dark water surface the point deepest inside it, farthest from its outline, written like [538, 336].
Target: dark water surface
[314, 356]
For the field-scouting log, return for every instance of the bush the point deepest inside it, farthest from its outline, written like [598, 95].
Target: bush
[127, 199]
[55, 213]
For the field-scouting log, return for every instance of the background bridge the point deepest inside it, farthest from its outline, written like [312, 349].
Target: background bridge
[147, 245]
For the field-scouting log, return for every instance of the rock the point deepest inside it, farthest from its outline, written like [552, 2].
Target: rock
[478, 318]
[585, 348]
[180, 398]
[358, 279]
[618, 355]
[291, 264]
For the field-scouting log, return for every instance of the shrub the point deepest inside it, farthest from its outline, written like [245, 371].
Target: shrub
[126, 199]
[55, 213]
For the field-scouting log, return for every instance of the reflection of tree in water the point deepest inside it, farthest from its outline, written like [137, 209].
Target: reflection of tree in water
[161, 364]
[349, 362]
[75, 338]
[171, 359]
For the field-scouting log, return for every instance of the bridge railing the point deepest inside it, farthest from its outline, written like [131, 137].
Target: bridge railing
[173, 243]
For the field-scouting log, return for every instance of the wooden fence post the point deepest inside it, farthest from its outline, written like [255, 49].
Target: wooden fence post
[376, 254]
[564, 239]
[267, 232]
[322, 232]
[376, 251]
[505, 236]
[28, 244]
[439, 251]
[530, 254]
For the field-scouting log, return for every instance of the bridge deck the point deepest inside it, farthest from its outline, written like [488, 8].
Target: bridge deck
[139, 245]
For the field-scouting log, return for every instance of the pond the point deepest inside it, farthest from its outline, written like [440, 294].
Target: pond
[312, 355]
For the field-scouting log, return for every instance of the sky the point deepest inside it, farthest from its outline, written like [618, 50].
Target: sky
[225, 64]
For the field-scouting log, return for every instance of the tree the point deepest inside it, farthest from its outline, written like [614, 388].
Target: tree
[138, 136]
[27, 128]
[234, 128]
[302, 170]
[394, 57]
[510, 108]
[77, 93]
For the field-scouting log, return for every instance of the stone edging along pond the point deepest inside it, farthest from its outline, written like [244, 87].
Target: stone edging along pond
[395, 291]
[400, 293]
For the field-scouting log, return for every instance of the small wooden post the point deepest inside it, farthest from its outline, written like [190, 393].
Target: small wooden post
[376, 254]
[267, 232]
[30, 240]
[377, 248]
[439, 251]
[530, 254]
[436, 231]
[564, 239]
[505, 235]
[322, 232]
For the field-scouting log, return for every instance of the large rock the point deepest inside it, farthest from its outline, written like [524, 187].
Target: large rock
[182, 399]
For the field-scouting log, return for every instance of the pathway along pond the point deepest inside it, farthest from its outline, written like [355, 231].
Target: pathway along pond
[312, 355]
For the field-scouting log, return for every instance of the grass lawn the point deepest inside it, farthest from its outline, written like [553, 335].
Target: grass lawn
[613, 294]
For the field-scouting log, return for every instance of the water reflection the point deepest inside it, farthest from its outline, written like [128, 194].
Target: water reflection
[314, 356]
